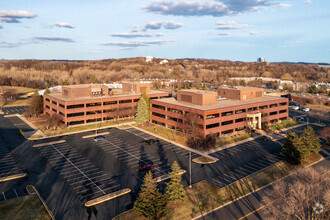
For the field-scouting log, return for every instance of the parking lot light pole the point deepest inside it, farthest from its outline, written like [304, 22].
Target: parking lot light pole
[190, 169]
[96, 124]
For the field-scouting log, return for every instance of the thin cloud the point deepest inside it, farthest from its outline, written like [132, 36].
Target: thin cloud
[308, 2]
[228, 25]
[1, 27]
[204, 8]
[4, 44]
[15, 16]
[156, 25]
[54, 39]
[64, 25]
[135, 35]
[135, 44]
[224, 34]
[284, 5]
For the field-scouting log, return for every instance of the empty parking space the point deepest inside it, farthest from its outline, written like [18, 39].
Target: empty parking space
[20, 124]
[84, 178]
[14, 110]
[11, 194]
[8, 167]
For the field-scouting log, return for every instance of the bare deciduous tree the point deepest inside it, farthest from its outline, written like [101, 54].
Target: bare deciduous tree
[305, 196]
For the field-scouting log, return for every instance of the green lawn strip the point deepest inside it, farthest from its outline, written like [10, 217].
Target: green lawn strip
[222, 141]
[175, 136]
[19, 102]
[205, 193]
[78, 128]
[27, 207]
[283, 124]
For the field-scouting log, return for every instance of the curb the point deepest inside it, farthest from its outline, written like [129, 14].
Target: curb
[200, 162]
[49, 143]
[167, 176]
[12, 177]
[107, 197]
[95, 135]
[179, 145]
[43, 202]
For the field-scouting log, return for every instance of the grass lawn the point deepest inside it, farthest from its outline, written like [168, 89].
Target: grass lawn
[175, 136]
[76, 128]
[222, 141]
[18, 89]
[19, 102]
[283, 124]
[27, 207]
[204, 196]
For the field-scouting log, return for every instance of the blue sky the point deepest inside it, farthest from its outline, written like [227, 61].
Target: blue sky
[238, 30]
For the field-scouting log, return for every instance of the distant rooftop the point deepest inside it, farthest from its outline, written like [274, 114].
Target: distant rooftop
[241, 88]
[197, 91]
[220, 104]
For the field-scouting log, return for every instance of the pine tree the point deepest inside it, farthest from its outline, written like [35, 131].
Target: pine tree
[147, 100]
[290, 150]
[311, 140]
[142, 114]
[47, 91]
[65, 82]
[150, 202]
[174, 190]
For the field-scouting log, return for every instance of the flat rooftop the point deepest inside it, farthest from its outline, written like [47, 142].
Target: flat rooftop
[220, 104]
[241, 88]
[117, 93]
[197, 91]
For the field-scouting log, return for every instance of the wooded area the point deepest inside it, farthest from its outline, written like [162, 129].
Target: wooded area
[42, 74]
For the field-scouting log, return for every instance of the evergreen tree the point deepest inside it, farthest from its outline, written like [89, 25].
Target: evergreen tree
[174, 189]
[65, 82]
[290, 150]
[47, 91]
[147, 100]
[310, 140]
[142, 114]
[150, 202]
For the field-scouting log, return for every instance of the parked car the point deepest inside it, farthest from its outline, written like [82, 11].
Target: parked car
[300, 119]
[294, 107]
[265, 138]
[306, 109]
[323, 140]
[146, 166]
[98, 138]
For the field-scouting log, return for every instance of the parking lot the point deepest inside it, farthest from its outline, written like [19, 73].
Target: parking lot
[20, 124]
[132, 148]
[13, 110]
[84, 178]
[242, 160]
[8, 166]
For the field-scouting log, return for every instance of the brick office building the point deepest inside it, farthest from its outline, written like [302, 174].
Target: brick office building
[79, 104]
[242, 106]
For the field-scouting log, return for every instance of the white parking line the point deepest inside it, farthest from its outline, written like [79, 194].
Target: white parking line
[15, 193]
[252, 166]
[215, 180]
[78, 169]
[4, 195]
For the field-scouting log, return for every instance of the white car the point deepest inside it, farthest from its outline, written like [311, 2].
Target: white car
[294, 107]
[306, 109]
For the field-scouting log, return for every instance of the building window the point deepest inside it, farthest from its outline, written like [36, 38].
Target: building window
[158, 106]
[125, 101]
[153, 97]
[283, 119]
[174, 119]
[263, 107]
[136, 100]
[252, 109]
[240, 128]
[282, 111]
[226, 113]
[76, 122]
[212, 116]
[272, 105]
[54, 110]
[240, 111]
[93, 104]
[212, 125]
[61, 113]
[174, 128]
[55, 103]
[47, 100]
[62, 106]
[283, 103]
[110, 110]
[228, 131]
[158, 123]
[75, 114]
[227, 122]
[240, 120]
[110, 103]
[175, 110]
[74, 106]
[47, 107]
[273, 113]
[158, 115]
[93, 112]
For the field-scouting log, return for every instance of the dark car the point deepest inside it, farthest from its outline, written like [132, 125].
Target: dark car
[98, 138]
[146, 166]
[300, 119]
[265, 138]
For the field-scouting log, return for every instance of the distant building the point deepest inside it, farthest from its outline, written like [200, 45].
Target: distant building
[243, 106]
[163, 62]
[149, 58]
[80, 104]
[261, 60]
